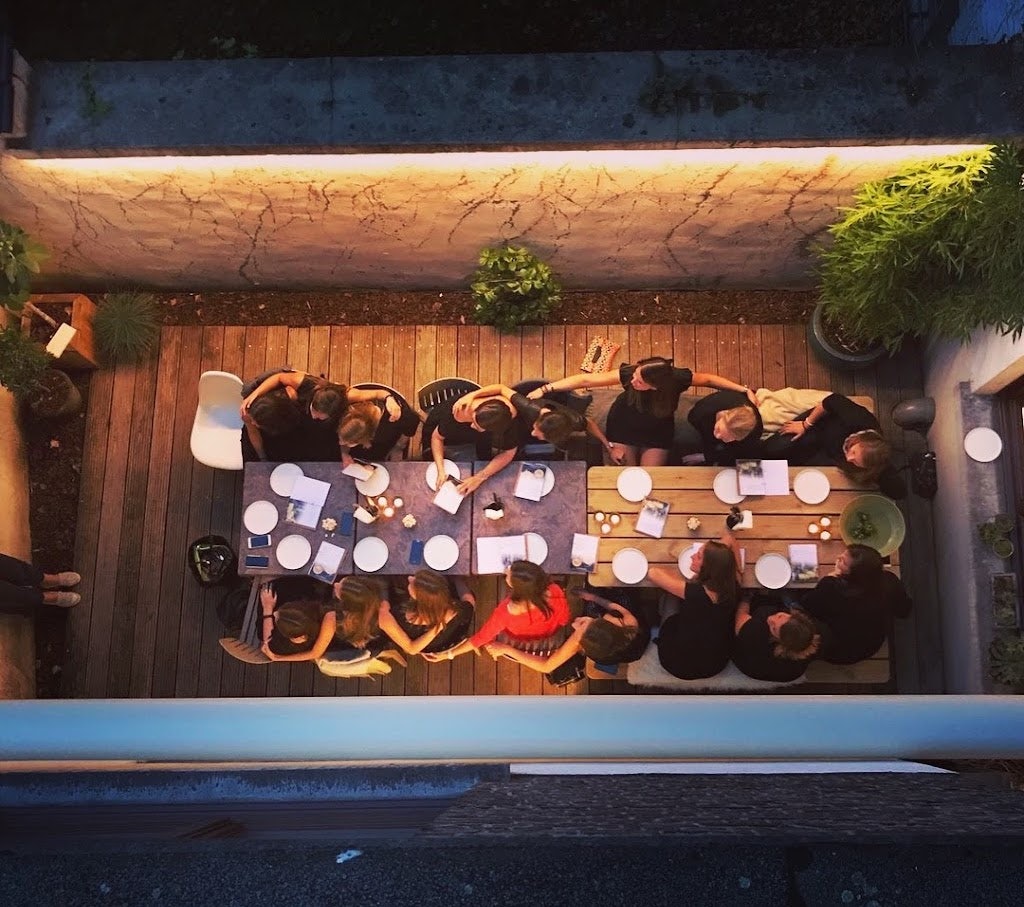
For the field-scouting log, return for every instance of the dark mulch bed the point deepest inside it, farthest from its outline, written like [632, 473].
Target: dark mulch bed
[300, 309]
[194, 29]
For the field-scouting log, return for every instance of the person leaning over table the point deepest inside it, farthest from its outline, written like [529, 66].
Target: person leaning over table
[436, 614]
[856, 603]
[838, 432]
[299, 630]
[366, 430]
[548, 420]
[269, 427]
[774, 642]
[490, 424]
[724, 426]
[533, 612]
[641, 421]
[695, 642]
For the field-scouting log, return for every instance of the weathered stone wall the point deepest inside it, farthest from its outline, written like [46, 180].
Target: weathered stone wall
[682, 218]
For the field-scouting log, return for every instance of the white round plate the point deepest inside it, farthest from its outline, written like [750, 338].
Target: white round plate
[449, 467]
[629, 565]
[983, 444]
[441, 552]
[634, 484]
[283, 478]
[773, 571]
[549, 483]
[376, 484]
[686, 557]
[811, 486]
[293, 552]
[536, 548]
[370, 554]
[726, 487]
[260, 517]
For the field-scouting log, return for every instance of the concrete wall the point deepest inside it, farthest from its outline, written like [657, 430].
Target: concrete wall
[954, 374]
[987, 21]
[741, 217]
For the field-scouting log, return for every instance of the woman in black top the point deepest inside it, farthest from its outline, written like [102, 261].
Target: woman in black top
[366, 430]
[641, 421]
[772, 642]
[856, 602]
[696, 641]
[436, 614]
[728, 426]
[839, 432]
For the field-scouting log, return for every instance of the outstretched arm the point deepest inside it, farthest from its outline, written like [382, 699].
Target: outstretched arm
[278, 379]
[707, 379]
[614, 450]
[556, 659]
[669, 580]
[575, 382]
[393, 629]
[742, 615]
[473, 482]
[327, 627]
[481, 393]
[365, 395]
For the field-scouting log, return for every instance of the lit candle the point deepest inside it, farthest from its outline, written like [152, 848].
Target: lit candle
[825, 521]
[606, 528]
[615, 519]
[825, 535]
[398, 502]
[382, 501]
[599, 516]
[812, 528]
[389, 512]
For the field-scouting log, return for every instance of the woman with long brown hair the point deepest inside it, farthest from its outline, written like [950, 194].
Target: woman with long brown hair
[641, 421]
[533, 612]
[296, 630]
[695, 641]
[436, 614]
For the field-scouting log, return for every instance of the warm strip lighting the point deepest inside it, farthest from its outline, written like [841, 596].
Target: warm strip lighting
[471, 160]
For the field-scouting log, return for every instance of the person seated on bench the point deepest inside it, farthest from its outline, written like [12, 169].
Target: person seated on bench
[773, 642]
[24, 587]
[490, 424]
[724, 426]
[609, 634]
[436, 615]
[549, 420]
[695, 641]
[532, 618]
[857, 603]
[366, 430]
[838, 432]
[296, 630]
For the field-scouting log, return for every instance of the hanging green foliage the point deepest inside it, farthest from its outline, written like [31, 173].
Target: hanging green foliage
[513, 287]
[20, 257]
[937, 250]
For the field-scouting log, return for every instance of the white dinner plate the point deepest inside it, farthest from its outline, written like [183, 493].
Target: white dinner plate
[283, 478]
[629, 565]
[376, 484]
[726, 486]
[260, 517]
[634, 483]
[685, 559]
[811, 486]
[449, 467]
[549, 483]
[370, 554]
[441, 552]
[773, 571]
[536, 548]
[293, 552]
[983, 444]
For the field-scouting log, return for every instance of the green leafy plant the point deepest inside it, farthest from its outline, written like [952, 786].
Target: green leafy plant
[995, 533]
[1006, 661]
[20, 257]
[513, 287]
[863, 527]
[125, 325]
[1004, 600]
[937, 250]
[22, 363]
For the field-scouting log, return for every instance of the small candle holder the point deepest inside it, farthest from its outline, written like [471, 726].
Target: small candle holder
[614, 519]
[825, 522]
[398, 503]
[382, 501]
[813, 529]
[599, 516]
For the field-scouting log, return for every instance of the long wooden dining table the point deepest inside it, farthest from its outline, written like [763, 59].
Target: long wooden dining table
[778, 520]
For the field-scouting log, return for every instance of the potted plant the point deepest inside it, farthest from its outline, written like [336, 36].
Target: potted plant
[996, 534]
[1006, 661]
[20, 257]
[125, 326]
[1005, 615]
[933, 251]
[25, 371]
[513, 287]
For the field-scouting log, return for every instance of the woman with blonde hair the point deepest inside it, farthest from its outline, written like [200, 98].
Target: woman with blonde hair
[436, 615]
[724, 427]
[367, 431]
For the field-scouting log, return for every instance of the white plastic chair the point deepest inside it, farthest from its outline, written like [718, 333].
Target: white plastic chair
[217, 429]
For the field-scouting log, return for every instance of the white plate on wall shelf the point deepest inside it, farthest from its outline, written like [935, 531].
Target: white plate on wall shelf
[260, 517]
[983, 444]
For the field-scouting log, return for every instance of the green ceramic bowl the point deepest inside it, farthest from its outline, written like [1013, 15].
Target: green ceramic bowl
[887, 525]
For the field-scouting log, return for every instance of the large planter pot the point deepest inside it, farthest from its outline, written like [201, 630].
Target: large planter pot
[832, 353]
[56, 396]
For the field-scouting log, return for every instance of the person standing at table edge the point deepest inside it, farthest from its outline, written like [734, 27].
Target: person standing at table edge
[641, 421]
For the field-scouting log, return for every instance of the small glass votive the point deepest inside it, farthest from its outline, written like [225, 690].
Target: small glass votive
[824, 522]
[397, 503]
[615, 519]
[599, 516]
[812, 528]
[606, 528]
[389, 512]
[825, 535]
[382, 501]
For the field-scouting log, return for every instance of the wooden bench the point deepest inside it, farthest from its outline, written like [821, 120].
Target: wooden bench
[247, 647]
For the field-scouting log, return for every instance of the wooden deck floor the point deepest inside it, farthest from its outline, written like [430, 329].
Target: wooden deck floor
[146, 629]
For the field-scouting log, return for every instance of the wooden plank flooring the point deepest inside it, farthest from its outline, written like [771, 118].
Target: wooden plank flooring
[146, 629]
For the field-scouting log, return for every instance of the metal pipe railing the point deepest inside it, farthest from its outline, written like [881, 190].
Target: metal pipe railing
[507, 728]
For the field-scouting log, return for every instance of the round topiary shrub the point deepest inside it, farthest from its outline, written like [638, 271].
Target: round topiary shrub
[125, 326]
[513, 287]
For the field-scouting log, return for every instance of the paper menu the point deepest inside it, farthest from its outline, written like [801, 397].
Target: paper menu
[448, 497]
[583, 556]
[495, 553]
[803, 559]
[361, 471]
[763, 477]
[530, 483]
[327, 562]
[307, 500]
[651, 519]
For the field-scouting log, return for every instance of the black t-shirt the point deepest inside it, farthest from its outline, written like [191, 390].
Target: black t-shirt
[642, 401]
[694, 642]
[703, 416]
[753, 650]
[441, 418]
[529, 411]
